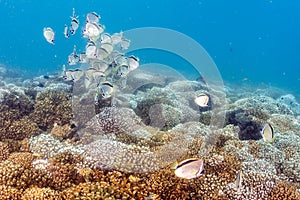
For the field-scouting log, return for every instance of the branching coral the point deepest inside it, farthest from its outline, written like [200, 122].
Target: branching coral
[14, 108]
[52, 107]
[40, 194]
[4, 149]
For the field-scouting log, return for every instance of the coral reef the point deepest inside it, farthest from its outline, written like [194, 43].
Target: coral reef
[114, 120]
[40, 194]
[4, 149]
[52, 107]
[290, 101]
[121, 154]
[15, 106]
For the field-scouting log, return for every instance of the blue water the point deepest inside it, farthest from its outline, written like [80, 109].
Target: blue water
[257, 40]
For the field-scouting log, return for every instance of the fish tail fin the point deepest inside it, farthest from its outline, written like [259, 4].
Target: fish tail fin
[174, 165]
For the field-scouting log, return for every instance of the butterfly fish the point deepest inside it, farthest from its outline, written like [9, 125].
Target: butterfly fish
[267, 133]
[189, 168]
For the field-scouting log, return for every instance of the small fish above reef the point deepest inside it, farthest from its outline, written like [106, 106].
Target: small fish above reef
[105, 38]
[91, 50]
[189, 168]
[92, 17]
[202, 100]
[66, 31]
[124, 44]
[105, 90]
[267, 133]
[92, 30]
[73, 58]
[133, 63]
[74, 23]
[49, 34]
[117, 38]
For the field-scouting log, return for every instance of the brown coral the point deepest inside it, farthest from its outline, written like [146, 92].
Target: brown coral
[40, 194]
[284, 190]
[8, 193]
[4, 149]
[14, 175]
[13, 121]
[25, 158]
[99, 190]
[21, 129]
[52, 107]
[61, 131]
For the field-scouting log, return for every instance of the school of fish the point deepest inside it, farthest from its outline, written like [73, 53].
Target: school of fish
[106, 65]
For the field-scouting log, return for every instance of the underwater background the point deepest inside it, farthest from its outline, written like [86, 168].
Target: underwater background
[132, 107]
[254, 42]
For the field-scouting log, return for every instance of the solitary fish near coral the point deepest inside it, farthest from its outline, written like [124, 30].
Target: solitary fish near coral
[202, 100]
[267, 133]
[239, 180]
[189, 168]
[49, 34]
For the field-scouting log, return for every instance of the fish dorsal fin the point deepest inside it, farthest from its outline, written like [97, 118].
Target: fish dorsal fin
[187, 161]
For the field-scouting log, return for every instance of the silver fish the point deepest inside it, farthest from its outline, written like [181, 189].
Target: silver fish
[105, 38]
[100, 65]
[92, 30]
[106, 90]
[239, 180]
[74, 23]
[73, 58]
[133, 63]
[91, 50]
[122, 71]
[124, 44]
[267, 133]
[66, 31]
[67, 75]
[202, 100]
[116, 38]
[77, 74]
[49, 34]
[101, 53]
[90, 73]
[108, 47]
[189, 168]
[99, 77]
[83, 58]
[93, 17]
[121, 60]
[96, 99]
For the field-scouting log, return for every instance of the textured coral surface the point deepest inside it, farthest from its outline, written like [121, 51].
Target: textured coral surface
[126, 153]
